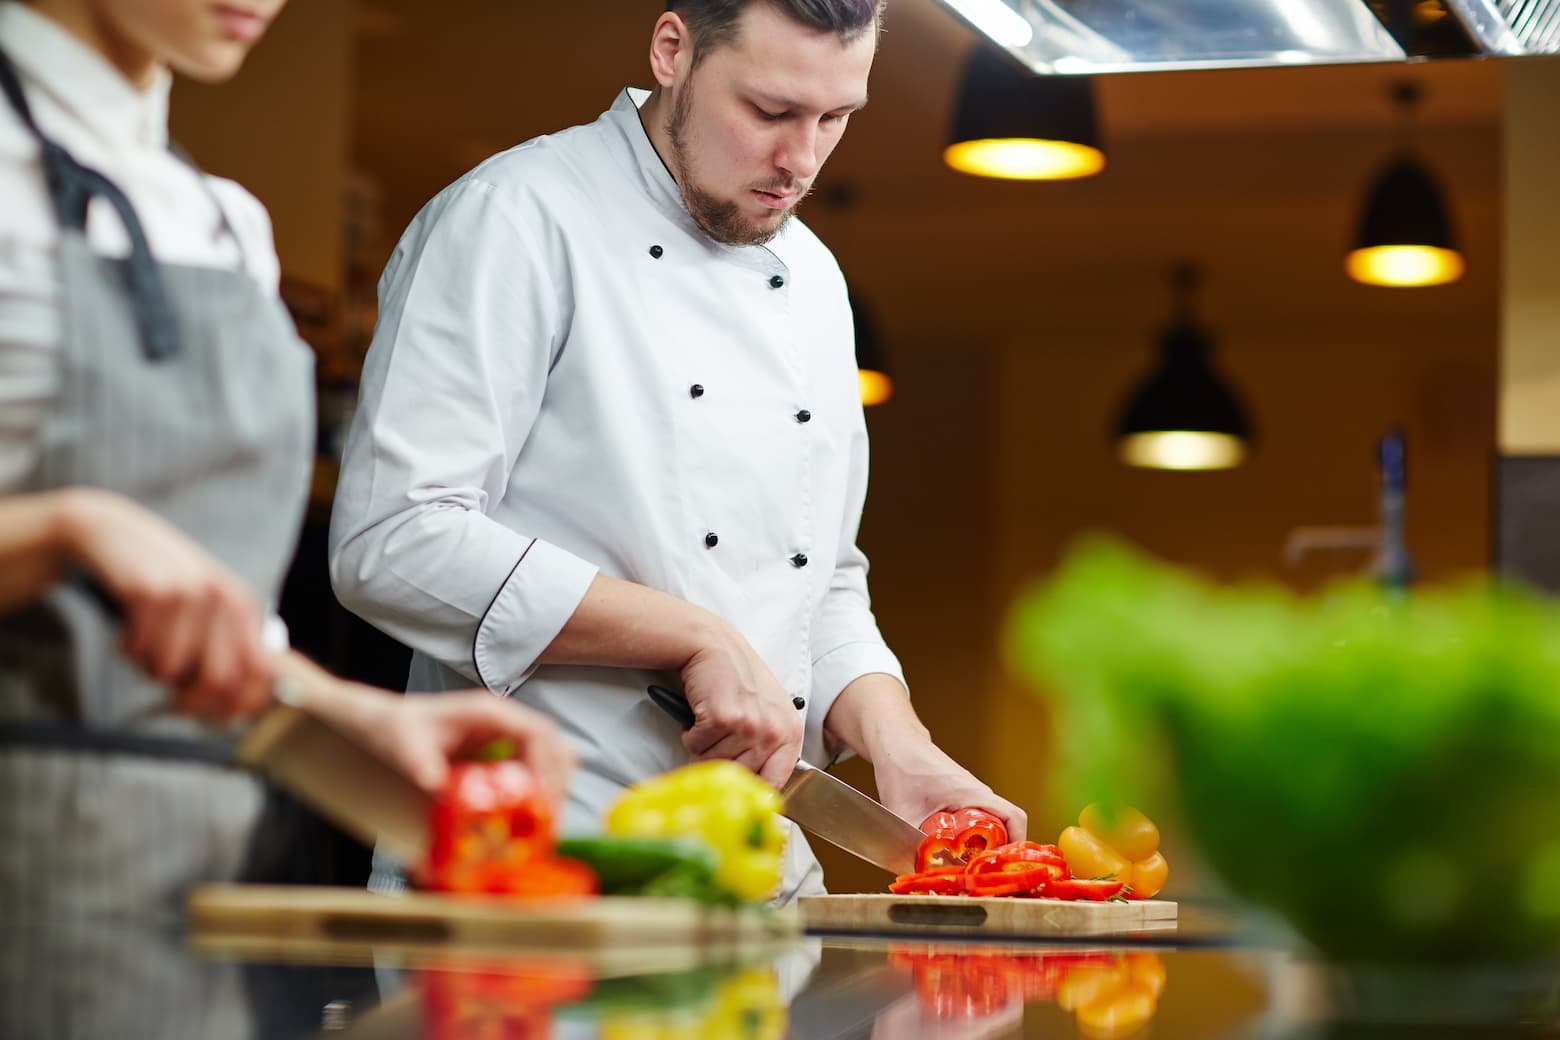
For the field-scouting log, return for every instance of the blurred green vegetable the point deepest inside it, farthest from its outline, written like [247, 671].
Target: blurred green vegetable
[669, 867]
[1384, 773]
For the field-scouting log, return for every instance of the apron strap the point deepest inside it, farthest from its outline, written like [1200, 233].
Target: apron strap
[71, 187]
[55, 736]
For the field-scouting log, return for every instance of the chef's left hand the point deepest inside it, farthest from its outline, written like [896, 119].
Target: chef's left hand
[920, 779]
[915, 778]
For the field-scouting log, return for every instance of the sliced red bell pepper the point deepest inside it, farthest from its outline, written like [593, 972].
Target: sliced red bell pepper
[935, 851]
[998, 873]
[937, 882]
[1009, 880]
[1079, 888]
[1030, 851]
[956, 869]
[1013, 856]
[961, 833]
[979, 833]
[550, 877]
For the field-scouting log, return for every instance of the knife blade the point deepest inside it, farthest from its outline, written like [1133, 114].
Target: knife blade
[829, 808]
[350, 785]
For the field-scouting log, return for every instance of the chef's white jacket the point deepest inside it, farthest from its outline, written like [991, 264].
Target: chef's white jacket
[569, 376]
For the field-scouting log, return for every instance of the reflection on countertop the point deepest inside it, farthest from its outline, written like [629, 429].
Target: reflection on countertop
[90, 978]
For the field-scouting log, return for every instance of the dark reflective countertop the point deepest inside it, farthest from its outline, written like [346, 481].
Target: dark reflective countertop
[1216, 976]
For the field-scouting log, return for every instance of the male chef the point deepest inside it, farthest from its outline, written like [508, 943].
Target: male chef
[609, 431]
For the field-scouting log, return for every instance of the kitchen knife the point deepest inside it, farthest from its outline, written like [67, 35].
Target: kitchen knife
[830, 808]
[355, 788]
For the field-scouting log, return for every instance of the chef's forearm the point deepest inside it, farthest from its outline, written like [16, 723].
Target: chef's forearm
[872, 715]
[620, 624]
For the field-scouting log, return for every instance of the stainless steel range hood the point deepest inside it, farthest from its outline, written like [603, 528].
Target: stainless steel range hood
[1512, 26]
[1095, 36]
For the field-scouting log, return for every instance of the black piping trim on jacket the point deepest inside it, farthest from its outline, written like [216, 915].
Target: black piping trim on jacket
[475, 667]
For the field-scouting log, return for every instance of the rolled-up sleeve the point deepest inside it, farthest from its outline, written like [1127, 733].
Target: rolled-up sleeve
[470, 321]
[846, 640]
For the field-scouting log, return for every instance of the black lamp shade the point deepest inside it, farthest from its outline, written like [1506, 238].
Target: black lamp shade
[1000, 102]
[869, 353]
[1405, 234]
[1405, 208]
[1185, 397]
[877, 384]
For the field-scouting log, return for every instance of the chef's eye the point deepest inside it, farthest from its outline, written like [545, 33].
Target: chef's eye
[770, 117]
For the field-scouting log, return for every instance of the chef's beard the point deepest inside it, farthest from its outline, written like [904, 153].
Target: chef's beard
[721, 218]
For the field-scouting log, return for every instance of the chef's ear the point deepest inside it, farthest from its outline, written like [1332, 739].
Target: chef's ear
[671, 50]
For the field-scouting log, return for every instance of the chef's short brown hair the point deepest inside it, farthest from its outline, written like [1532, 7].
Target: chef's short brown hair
[712, 23]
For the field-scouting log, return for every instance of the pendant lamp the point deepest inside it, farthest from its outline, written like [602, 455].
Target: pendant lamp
[1405, 233]
[1013, 124]
[1183, 416]
[872, 373]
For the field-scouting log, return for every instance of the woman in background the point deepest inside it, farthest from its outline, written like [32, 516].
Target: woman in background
[156, 423]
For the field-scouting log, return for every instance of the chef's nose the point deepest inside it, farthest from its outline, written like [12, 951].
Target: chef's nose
[799, 151]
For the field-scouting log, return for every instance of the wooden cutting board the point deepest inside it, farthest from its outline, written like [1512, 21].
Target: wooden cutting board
[964, 915]
[308, 914]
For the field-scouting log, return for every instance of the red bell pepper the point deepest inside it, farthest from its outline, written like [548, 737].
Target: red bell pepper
[936, 851]
[961, 833]
[1079, 888]
[945, 882]
[1033, 852]
[1010, 870]
[1019, 868]
[978, 830]
[940, 823]
[1014, 879]
[492, 831]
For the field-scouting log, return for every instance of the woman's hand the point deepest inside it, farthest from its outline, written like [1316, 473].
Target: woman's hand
[419, 734]
[187, 620]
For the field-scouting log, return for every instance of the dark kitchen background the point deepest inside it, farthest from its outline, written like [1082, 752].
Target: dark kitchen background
[1016, 317]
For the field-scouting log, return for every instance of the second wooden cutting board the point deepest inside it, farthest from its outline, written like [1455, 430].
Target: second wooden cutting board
[963, 915]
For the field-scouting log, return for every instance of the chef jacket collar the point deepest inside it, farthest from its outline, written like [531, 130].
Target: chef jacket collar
[661, 187]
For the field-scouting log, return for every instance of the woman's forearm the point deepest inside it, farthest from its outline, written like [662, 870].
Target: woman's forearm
[34, 544]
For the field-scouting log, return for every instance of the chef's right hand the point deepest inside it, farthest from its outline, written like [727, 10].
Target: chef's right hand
[740, 710]
[189, 621]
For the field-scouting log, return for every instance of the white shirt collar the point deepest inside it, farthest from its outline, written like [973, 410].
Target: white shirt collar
[82, 82]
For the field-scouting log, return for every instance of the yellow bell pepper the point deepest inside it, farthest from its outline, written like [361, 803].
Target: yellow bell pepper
[1123, 846]
[727, 806]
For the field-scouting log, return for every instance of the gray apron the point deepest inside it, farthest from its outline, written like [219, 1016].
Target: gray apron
[187, 390]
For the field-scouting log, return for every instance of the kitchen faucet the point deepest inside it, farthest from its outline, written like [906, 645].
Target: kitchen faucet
[1391, 565]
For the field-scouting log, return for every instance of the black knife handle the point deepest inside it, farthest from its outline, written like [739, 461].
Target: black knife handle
[676, 705]
[87, 583]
